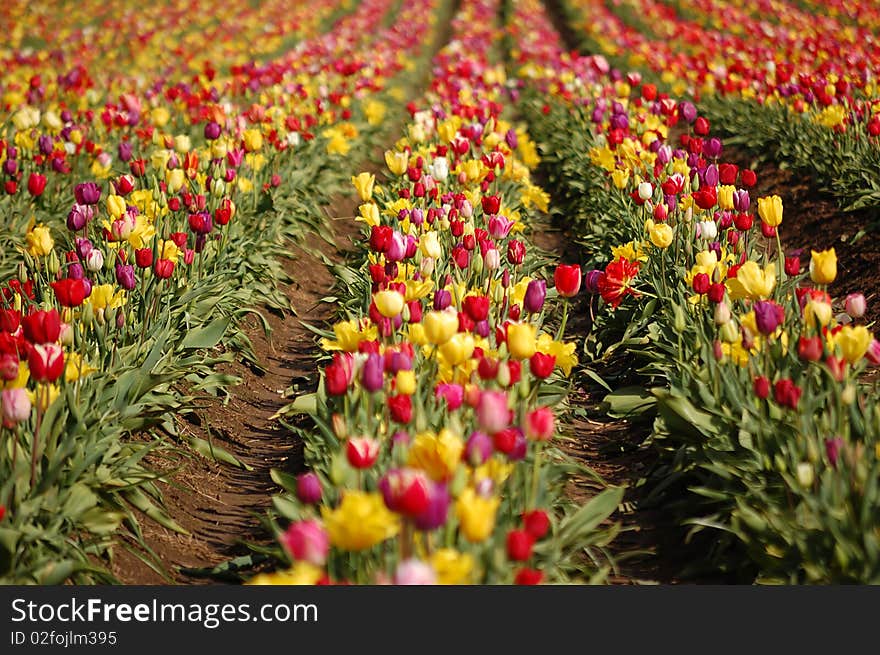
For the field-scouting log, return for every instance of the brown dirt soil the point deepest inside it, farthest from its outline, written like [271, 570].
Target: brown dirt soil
[217, 503]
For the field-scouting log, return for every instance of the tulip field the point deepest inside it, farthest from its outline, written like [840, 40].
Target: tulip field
[440, 292]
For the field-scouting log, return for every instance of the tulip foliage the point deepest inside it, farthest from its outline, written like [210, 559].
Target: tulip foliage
[766, 431]
[432, 455]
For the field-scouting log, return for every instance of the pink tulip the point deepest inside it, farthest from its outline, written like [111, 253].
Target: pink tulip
[306, 541]
[493, 414]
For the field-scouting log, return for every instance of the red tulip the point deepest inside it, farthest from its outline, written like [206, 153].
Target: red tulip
[9, 320]
[810, 348]
[362, 452]
[400, 407]
[476, 307]
[536, 523]
[42, 326]
[164, 268]
[540, 424]
[541, 365]
[491, 204]
[143, 257]
[762, 387]
[528, 577]
[36, 184]
[70, 292]
[701, 283]
[406, 491]
[567, 279]
[787, 393]
[519, 545]
[46, 362]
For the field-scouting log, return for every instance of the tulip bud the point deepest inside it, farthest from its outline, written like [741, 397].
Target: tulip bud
[53, 264]
[722, 314]
[805, 474]
[856, 305]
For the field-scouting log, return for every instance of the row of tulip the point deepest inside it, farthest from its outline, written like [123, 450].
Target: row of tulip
[432, 455]
[806, 93]
[108, 313]
[768, 438]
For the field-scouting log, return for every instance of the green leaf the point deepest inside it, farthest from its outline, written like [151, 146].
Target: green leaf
[207, 449]
[627, 402]
[208, 336]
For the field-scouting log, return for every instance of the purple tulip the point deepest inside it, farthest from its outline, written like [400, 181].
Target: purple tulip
[75, 271]
[45, 144]
[78, 217]
[712, 148]
[87, 193]
[687, 111]
[308, 488]
[511, 139]
[442, 299]
[478, 448]
[212, 131]
[125, 151]
[741, 200]
[372, 373]
[437, 511]
[482, 329]
[768, 316]
[832, 449]
[83, 248]
[125, 276]
[10, 167]
[535, 294]
[591, 281]
[711, 175]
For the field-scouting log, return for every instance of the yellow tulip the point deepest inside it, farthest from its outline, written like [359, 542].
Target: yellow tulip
[620, 178]
[429, 244]
[416, 334]
[452, 567]
[853, 342]
[440, 326]
[823, 266]
[175, 179]
[102, 297]
[369, 214]
[301, 573]
[349, 336]
[396, 161]
[39, 241]
[405, 382]
[160, 116]
[458, 348]
[437, 455]
[115, 205]
[182, 143]
[770, 210]
[725, 196]
[817, 311]
[752, 282]
[389, 303]
[374, 111]
[660, 234]
[361, 521]
[476, 515]
[521, 340]
[252, 139]
[364, 185]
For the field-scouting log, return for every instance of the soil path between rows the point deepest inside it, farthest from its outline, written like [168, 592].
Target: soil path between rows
[218, 504]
